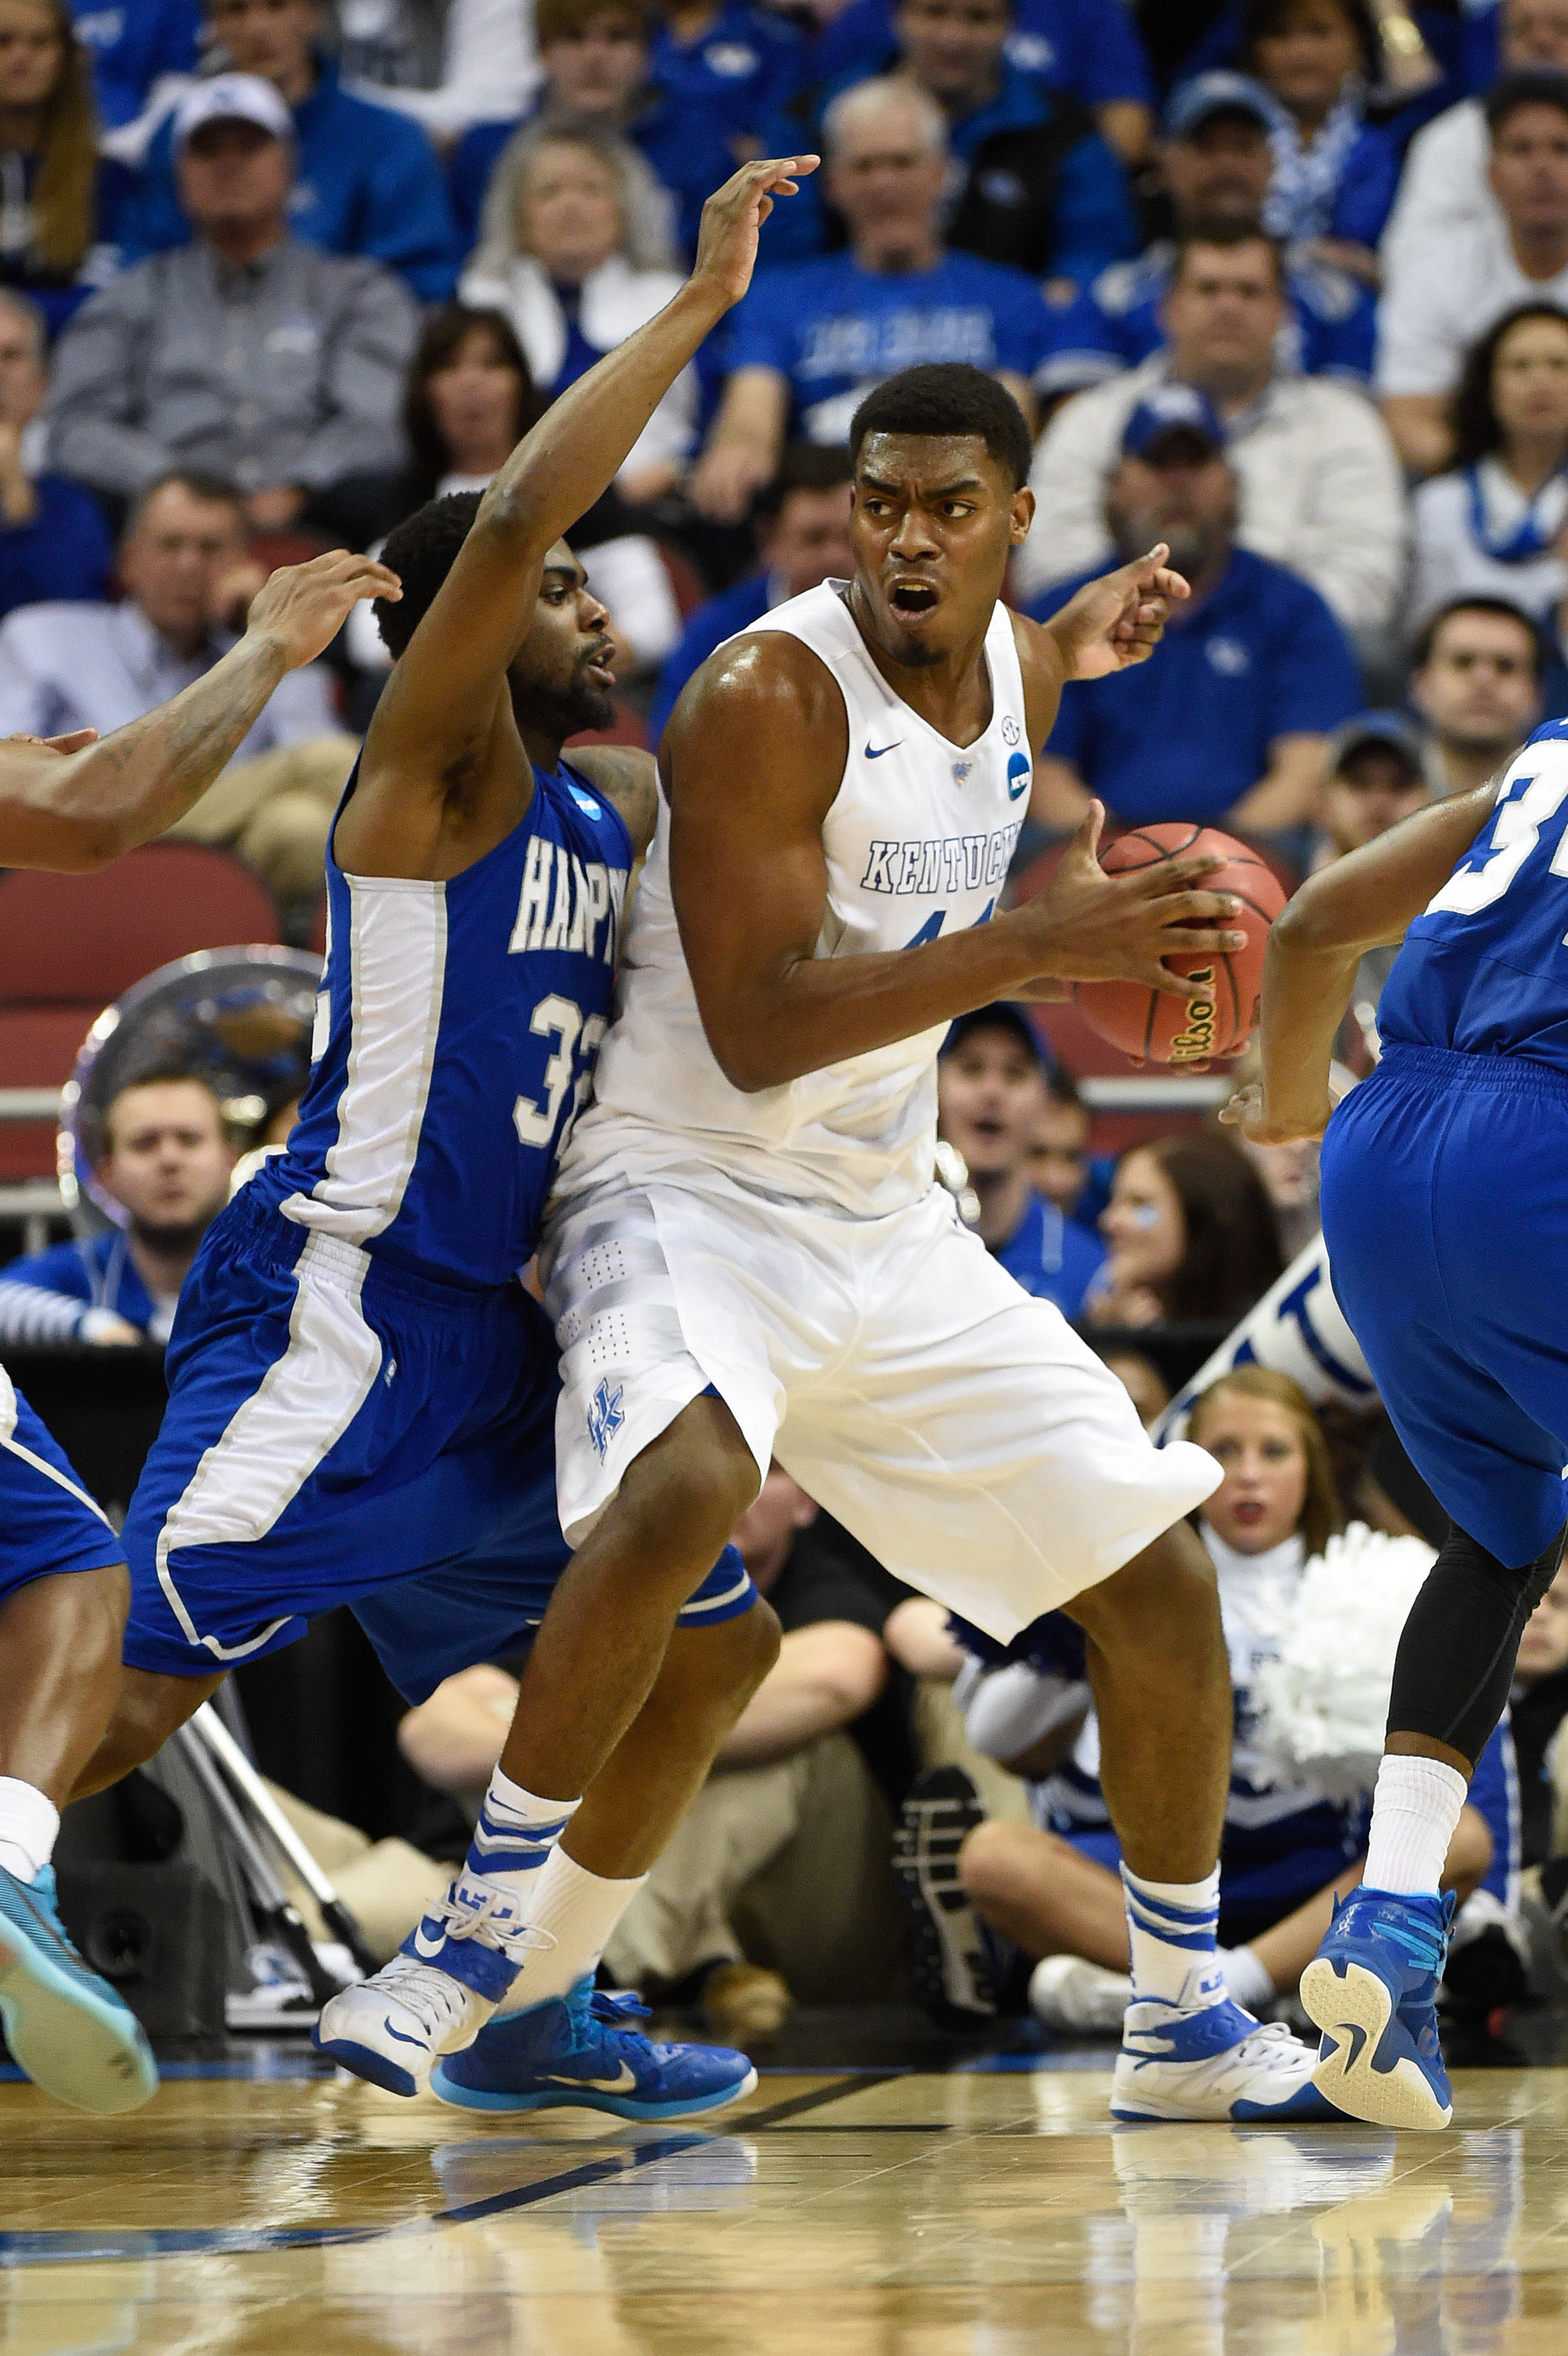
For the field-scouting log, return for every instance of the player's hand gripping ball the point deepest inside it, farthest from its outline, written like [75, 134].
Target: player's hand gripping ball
[1151, 1025]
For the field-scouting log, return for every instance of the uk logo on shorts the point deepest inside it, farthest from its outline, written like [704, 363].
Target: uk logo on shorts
[605, 1417]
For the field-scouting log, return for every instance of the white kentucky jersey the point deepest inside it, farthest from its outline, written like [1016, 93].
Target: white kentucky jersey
[918, 842]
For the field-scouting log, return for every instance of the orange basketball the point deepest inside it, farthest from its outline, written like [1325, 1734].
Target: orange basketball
[1151, 1025]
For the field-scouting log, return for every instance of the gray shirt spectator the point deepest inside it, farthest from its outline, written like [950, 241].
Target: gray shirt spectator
[246, 353]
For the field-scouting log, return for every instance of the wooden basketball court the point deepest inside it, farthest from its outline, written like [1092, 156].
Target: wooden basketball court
[986, 2210]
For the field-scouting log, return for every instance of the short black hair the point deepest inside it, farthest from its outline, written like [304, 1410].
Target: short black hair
[1514, 90]
[421, 551]
[1505, 610]
[1225, 229]
[199, 481]
[948, 397]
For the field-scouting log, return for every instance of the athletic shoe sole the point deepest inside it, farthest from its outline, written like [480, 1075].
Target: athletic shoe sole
[366, 2062]
[1353, 2006]
[1306, 2108]
[622, 2106]
[946, 1954]
[78, 2047]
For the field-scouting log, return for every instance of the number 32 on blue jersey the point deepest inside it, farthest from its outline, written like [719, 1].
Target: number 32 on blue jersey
[1532, 796]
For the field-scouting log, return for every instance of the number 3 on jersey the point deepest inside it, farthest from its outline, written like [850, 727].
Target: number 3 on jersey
[1529, 801]
[571, 1065]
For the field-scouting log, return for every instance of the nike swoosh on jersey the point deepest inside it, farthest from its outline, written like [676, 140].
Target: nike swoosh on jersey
[875, 752]
[623, 2085]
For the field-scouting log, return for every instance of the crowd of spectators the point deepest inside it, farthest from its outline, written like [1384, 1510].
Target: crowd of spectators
[1281, 282]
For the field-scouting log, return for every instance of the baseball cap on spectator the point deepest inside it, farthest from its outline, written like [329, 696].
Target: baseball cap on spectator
[232, 98]
[1387, 732]
[1169, 410]
[998, 1016]
[1217, 94]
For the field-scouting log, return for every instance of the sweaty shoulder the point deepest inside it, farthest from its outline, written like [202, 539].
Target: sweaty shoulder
[760, 699]
[628, 780]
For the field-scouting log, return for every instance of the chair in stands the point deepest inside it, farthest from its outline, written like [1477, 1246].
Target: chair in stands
[71, 945]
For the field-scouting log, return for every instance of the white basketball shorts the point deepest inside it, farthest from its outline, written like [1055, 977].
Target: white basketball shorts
[959, 1429]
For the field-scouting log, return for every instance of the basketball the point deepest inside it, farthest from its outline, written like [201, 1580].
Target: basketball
[1149, 1024]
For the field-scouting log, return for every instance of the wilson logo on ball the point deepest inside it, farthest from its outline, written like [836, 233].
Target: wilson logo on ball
[1198, 1039]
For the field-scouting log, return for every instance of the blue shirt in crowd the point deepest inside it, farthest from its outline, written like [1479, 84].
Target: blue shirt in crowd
[1115, 323]
[45, 1295]
[1053, 1257]
[132, 43]
[367, 183]
[686, 146]
[1089, 47]
[65, 553]
[747, 65]
[712, 622]
[835, 330]
[1092, 219]
[1186, 734]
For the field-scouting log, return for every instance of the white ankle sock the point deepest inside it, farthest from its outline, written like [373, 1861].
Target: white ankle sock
[29, 1822]
[516, 1832]
[1416, 1810]
[579, 1911]
[1248, 1982]
[1170, 1926]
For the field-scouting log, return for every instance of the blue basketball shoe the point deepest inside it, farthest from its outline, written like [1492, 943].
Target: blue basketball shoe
[1203, 2059]
[578, 2050]
[66, 2026]
[1372, 1989]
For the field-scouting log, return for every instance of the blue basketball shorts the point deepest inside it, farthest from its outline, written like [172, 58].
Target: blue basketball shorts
[1446, 1214]
[340, 1432]
[48, 1521]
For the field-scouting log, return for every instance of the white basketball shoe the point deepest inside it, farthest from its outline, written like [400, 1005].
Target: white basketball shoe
[1204, 2058]
[1068, 1992]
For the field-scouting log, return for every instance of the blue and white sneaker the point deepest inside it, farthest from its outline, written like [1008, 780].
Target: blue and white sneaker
[1206, 2060]
[66, 2026]
[577, 2051]
[437, 1992]
[1372, 1989]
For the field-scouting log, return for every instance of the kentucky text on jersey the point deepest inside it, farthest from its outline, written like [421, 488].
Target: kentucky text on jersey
[952, 863]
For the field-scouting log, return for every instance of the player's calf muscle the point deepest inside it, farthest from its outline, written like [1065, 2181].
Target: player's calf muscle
[147, 1710]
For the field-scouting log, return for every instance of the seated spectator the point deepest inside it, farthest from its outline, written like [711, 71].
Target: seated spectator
[1444, 189]
[1214, 164]
[1441, 295]
[1334, 173]
[247, 353]
[784, 1849]
[1477, 682]
[1493, 523]
[1537, 1706]
[447, 69]
[166, 1161]
[368, 182]
[135, 51]
[809, 342]
[802, 537]
[1053, 1891]
[1227, 719]
[187, 579]
[1089, 47]
[597, 57]
[54, 542]
[1191, 1235]
[48, 160]
[1374, 777]
[729, 60]
[1040, 187]
[991, 1100]
[1318, 481]
[557, 261]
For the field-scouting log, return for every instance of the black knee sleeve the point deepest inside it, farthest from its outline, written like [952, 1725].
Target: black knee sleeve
[1456, 1658]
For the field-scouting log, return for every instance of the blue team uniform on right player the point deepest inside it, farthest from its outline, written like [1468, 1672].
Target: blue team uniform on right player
[1445, 1175]
[362, 1397]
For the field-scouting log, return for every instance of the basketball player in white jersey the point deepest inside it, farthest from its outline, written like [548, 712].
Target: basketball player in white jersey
[748, 1255]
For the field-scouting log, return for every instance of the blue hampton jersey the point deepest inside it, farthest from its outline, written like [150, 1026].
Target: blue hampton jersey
[1485, 969]
[456, 1034]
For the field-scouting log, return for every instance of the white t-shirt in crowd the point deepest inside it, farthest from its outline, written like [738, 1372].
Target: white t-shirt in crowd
[1443, 298]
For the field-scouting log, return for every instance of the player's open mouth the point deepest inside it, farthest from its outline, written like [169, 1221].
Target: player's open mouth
[913, 598]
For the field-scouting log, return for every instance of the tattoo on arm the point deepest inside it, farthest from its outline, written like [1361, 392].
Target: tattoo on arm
[629, 782]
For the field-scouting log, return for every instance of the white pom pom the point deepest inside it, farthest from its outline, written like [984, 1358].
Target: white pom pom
[1322, 1704]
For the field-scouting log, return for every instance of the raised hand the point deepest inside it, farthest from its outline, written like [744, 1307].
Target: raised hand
[302, 608]
[1090, 927]
[1119, 619]
[732, 220]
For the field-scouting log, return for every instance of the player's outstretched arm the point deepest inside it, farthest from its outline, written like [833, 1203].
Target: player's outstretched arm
[1364, 901]
[754, 757]
[1111, 624]
[434, 720]
[76, 802]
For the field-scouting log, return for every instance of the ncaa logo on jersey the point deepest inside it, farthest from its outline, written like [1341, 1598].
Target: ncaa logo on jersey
[1020, 769]
[605, 1417]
